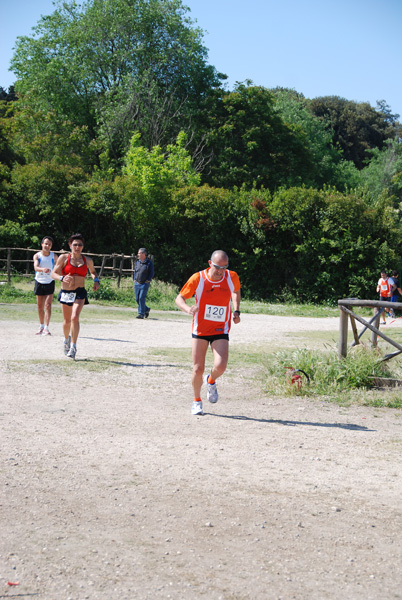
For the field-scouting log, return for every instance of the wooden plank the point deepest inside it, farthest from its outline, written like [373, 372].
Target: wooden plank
[373, 303]
[354, 329]
[376, 316]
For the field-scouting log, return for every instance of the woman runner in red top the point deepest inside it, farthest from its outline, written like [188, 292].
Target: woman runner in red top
[72, 269]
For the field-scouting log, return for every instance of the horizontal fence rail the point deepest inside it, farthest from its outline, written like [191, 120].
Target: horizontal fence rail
[107, 265]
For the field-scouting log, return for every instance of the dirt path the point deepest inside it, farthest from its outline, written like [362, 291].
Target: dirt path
[112, 490]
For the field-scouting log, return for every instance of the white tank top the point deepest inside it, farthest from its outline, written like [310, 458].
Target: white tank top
[45, 262]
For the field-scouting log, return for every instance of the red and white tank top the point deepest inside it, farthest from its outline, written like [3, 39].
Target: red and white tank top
[214, 301]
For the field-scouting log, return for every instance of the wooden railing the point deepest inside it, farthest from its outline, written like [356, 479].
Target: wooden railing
[107, 265]
[347, 309]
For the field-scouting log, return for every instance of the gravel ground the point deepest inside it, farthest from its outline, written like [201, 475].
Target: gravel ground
[112, 490]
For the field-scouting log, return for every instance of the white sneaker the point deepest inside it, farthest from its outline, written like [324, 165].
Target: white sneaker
[72, 352]
[67, 344]
[46, 331]
[196, 409]
[40, 331]
[212, 391]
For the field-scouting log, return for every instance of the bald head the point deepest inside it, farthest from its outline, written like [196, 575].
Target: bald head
[219, 255]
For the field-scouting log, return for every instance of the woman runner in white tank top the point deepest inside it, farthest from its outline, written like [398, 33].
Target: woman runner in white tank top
[44, 284]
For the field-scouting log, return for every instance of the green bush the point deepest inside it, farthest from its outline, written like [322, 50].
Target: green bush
[106, 291]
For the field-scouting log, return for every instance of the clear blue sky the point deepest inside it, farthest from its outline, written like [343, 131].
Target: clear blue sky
[347, 48]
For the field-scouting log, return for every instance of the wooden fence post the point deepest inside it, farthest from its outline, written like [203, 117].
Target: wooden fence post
[9, 265]
[102, 266]
[374, 336]
[343, 334]
[114, 266]
[120, 269]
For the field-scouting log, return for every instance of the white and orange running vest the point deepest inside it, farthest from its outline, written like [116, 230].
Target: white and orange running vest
[213, 299]
[385, 288]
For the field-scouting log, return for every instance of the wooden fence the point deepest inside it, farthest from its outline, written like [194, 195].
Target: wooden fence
[346, 306]
[19, 261]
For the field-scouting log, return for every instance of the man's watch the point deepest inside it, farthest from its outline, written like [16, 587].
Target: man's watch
[236, 311]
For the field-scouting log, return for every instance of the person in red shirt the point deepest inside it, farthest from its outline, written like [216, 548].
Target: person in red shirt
[215, 290]
[71, 269]
[384, 288]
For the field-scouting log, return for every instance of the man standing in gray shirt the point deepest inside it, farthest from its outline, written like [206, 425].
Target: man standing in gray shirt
[143, 275]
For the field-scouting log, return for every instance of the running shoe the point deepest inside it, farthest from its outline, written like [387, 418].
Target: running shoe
[40, 331]
[212, 391]
[46, 332]
[72, 352]
[196, 409]
[67, 344]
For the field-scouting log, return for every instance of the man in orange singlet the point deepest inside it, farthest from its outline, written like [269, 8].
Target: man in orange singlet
[215, 290]
[384, 288]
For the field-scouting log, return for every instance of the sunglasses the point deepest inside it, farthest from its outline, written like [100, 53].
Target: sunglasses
[78, 245]
[219, 267]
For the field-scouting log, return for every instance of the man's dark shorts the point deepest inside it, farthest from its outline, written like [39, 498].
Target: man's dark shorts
[70, 296]
[211, 338]
[44, 289]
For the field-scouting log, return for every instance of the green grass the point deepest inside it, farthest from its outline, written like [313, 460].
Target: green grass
[161, 296]
[343, 381]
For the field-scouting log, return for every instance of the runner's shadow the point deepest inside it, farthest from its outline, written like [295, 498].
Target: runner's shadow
[107, 340]
[350, 426]
[20, 595]
[121, 363]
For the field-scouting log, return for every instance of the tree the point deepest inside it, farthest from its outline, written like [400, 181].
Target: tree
[328, 165]
[8, 96]
[82, 62]
[251, 145]
[37, 135]
[40, 194]
[357, 127]
[383, 174]
[335, 243]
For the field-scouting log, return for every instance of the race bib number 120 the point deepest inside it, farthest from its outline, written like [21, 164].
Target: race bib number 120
[215, 313]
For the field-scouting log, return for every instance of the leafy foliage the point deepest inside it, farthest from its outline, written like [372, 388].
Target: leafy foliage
[251, 143]
[383, 174]
[328, 375]
[357, 127]
[328, 165]
[84, 62]
[157, 170]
